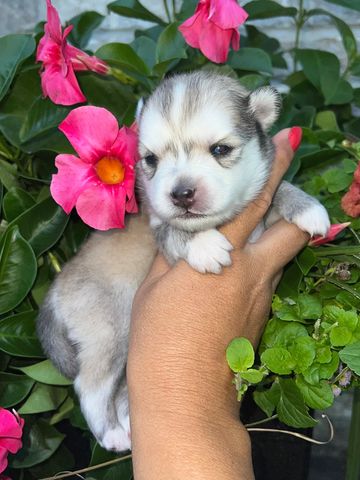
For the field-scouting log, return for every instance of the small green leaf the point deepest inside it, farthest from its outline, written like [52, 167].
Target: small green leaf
[252, 376]
[351, 356]
[17, 268]
[291, 407]
[45, 372]
[337, 180]
[13, 388]
[268, 400]
[260, 9]
[316, 396]
[340, 336]
[327, 121]
[240, 354]
[310, 307]
[303, 352]
[122, 56]
[43, 398]
[278, 360]
[14, 49]
[63, 412]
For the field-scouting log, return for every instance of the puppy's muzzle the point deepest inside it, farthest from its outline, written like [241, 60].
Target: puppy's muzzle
[183, 197]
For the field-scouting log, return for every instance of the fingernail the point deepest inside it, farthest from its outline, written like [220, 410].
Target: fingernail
[295, 136]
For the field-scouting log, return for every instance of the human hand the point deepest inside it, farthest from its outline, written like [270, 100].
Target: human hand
[182, 322]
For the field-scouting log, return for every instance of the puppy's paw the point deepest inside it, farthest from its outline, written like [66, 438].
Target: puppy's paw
[117, 439]
[314, 220]
[209, 252]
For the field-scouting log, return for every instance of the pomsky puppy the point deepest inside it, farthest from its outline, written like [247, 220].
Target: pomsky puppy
[204, 155]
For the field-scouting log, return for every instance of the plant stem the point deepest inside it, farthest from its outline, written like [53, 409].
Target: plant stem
[300, 20]
[353, 457]
[174, 10]
[166, 6]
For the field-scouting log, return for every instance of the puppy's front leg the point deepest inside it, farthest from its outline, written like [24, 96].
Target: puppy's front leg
[297, 207]
[206, 251]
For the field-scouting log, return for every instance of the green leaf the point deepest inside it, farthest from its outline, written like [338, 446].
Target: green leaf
[303, 351]
[13, 389]
[145, 47]
[45, 372]
[240, 354]
[15, 202]
[122, 56]
[14, 49]
[348, 38]
[42, 225]
[327, 121]
[40, 441]
[310, 307]
[281, 334]
[133, 9]
[17, 268]
[353, 4]
[253, 81]
[260, 9]
[252, 376]
[337, 180]
[323, 70]
[306, 260]
[121, 470]
[61, 460]
[8, 174]
[43, 398]
[323, 354]
[63, 412]
[278, 360]
[291, 407]
[171, 44]
[252, 59]
[267, 400]
[351, 356]
[18, 336]
[83, 27]
[340, 336]
[316, 396]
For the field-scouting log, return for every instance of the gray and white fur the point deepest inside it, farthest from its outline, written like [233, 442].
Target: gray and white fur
[204, 156]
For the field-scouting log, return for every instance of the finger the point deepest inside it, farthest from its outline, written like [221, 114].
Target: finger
[278, 245]
[239, 230]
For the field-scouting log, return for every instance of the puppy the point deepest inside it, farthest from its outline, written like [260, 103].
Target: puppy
[204, 155]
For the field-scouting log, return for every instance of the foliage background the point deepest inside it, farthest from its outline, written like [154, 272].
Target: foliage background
[37, 237]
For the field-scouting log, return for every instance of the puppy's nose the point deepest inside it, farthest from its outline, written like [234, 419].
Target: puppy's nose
[183, 197]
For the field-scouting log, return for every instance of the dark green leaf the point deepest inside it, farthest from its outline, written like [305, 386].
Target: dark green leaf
[122, 56]
[63, 411]
[351, 356]
[252, 59]
[18, 336]
[353, 4]
[43, 398]
[306, 260]
[171, 44]
[83, 27]
[8, 173]
[40, 441]
[14, 49]
[62, 460]
[145, 47]
[240, 354]
[259, 9]
[133, 9]
[122, 470]
[17, 268]
[267, 400]
[13, 389]
[15, 202]
[42, 225]
[45, 372]
[291, 407]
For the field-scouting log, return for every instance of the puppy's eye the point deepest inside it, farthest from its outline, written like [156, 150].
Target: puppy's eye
[151, 160]
[219, 150]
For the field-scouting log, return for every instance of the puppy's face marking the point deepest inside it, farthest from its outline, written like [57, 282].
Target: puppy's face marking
[204, 155]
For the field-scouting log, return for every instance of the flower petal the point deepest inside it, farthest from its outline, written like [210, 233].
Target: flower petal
[82, 61]
[334, 230]
[53, 25]
[91, 131]
[227, 13]
[192, 27]
[10, 426]
[131, 205]
[126, 146]
[62, 90]
[102, 206]
[72, 178]
[215, 42]
[350, 202]
[3, 459]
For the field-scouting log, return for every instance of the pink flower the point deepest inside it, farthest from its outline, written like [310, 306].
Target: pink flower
[11, 426]
[350, 202]
[332, 233]
[61, 60]
[213, 27]
[100, 182]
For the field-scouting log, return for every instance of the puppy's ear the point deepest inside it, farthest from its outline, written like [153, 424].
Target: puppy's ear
[139, 108]
[264, 104]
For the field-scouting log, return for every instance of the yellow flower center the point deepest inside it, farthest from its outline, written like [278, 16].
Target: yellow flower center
[110, 170]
